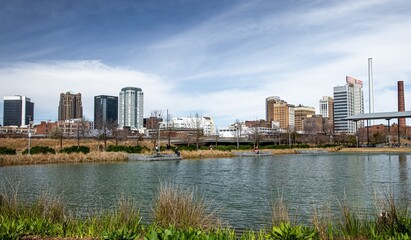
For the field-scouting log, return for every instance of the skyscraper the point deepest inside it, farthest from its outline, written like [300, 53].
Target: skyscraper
[130, 112]
[348, 101]
[327, 109]
[301, 113]
[17, 111]
[105, 111]
[70, 106]
[280, 111]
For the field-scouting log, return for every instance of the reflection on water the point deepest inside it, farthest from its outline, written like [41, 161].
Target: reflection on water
[243, 188]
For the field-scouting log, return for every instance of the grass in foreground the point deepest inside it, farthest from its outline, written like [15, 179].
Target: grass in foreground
[179, 214]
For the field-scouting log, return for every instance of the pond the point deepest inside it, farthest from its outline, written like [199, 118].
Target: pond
[242, 189]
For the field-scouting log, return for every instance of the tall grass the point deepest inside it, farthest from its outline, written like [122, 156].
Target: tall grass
[183, 209]
[279, 212]
[182, 214]
[48, 217]
[205, 154]
[19, 159]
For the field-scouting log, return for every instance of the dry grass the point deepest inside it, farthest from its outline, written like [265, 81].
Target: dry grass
[375, 150]
[19, 159]
[205, 154]
[183, 209]
[279, 212]
[283, 151]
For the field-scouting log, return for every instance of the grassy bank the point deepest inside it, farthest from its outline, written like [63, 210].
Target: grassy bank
[376, 150]
[20, 159]
[184, 214]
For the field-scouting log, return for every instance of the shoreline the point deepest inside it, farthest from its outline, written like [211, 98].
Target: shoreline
[20, 159]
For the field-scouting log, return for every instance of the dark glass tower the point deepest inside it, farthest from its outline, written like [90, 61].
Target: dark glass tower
[17, 111]
[105, 111]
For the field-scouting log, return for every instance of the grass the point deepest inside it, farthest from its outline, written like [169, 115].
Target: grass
[205, 154]
[183, 214]
[183, 209]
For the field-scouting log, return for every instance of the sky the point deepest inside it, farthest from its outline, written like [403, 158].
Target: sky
[218, 58]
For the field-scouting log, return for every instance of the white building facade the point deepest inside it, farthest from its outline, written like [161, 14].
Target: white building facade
[348, 101]
[205, 123]
[130, 108]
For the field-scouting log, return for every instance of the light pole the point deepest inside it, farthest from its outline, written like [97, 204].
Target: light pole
[158, 145]
[29, 136]
[237, 135]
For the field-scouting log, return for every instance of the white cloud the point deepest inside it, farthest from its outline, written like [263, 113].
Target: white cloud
[43, 83]
[226, 66]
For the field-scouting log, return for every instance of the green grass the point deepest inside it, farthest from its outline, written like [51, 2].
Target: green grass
[184, 214]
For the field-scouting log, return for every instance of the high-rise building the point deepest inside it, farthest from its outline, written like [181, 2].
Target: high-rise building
[17, 111]
[70, 106]
[327, 109]
[130, 113]
[280, 111]
[348, 101]
[300, 113]
[105, 111]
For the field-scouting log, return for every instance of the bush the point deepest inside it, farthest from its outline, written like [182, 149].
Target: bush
[75, 149]
[40, 150]
[128, 149]
[7, 151]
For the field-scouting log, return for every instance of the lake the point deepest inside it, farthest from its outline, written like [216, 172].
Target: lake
[241, 188]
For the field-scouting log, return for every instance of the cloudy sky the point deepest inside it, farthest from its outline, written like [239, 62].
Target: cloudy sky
[218, 58]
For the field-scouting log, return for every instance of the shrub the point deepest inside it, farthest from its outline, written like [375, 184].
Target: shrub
[7, 151]
[40, 150]
[75, 149]
[128, 149]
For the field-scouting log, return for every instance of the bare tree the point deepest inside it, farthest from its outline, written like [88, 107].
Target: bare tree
[196, 124]
[106, 130]
[238, 129]
[58, 134]
[310, 131]
[83, 128]
[156, 117]
[255, 135]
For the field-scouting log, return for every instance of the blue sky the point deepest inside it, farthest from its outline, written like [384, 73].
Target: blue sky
[215, 58]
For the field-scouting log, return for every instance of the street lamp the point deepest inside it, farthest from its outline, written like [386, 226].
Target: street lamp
[237, 127]
[29, 136]
[158, 145]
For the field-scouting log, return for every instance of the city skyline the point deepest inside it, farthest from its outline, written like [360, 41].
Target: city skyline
[220, 59]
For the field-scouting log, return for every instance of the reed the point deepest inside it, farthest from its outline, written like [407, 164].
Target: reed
[20, 159]
[182, 209]
[279, 212]
[283, 151]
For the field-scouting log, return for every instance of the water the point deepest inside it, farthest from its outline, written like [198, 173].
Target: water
[241, 188]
